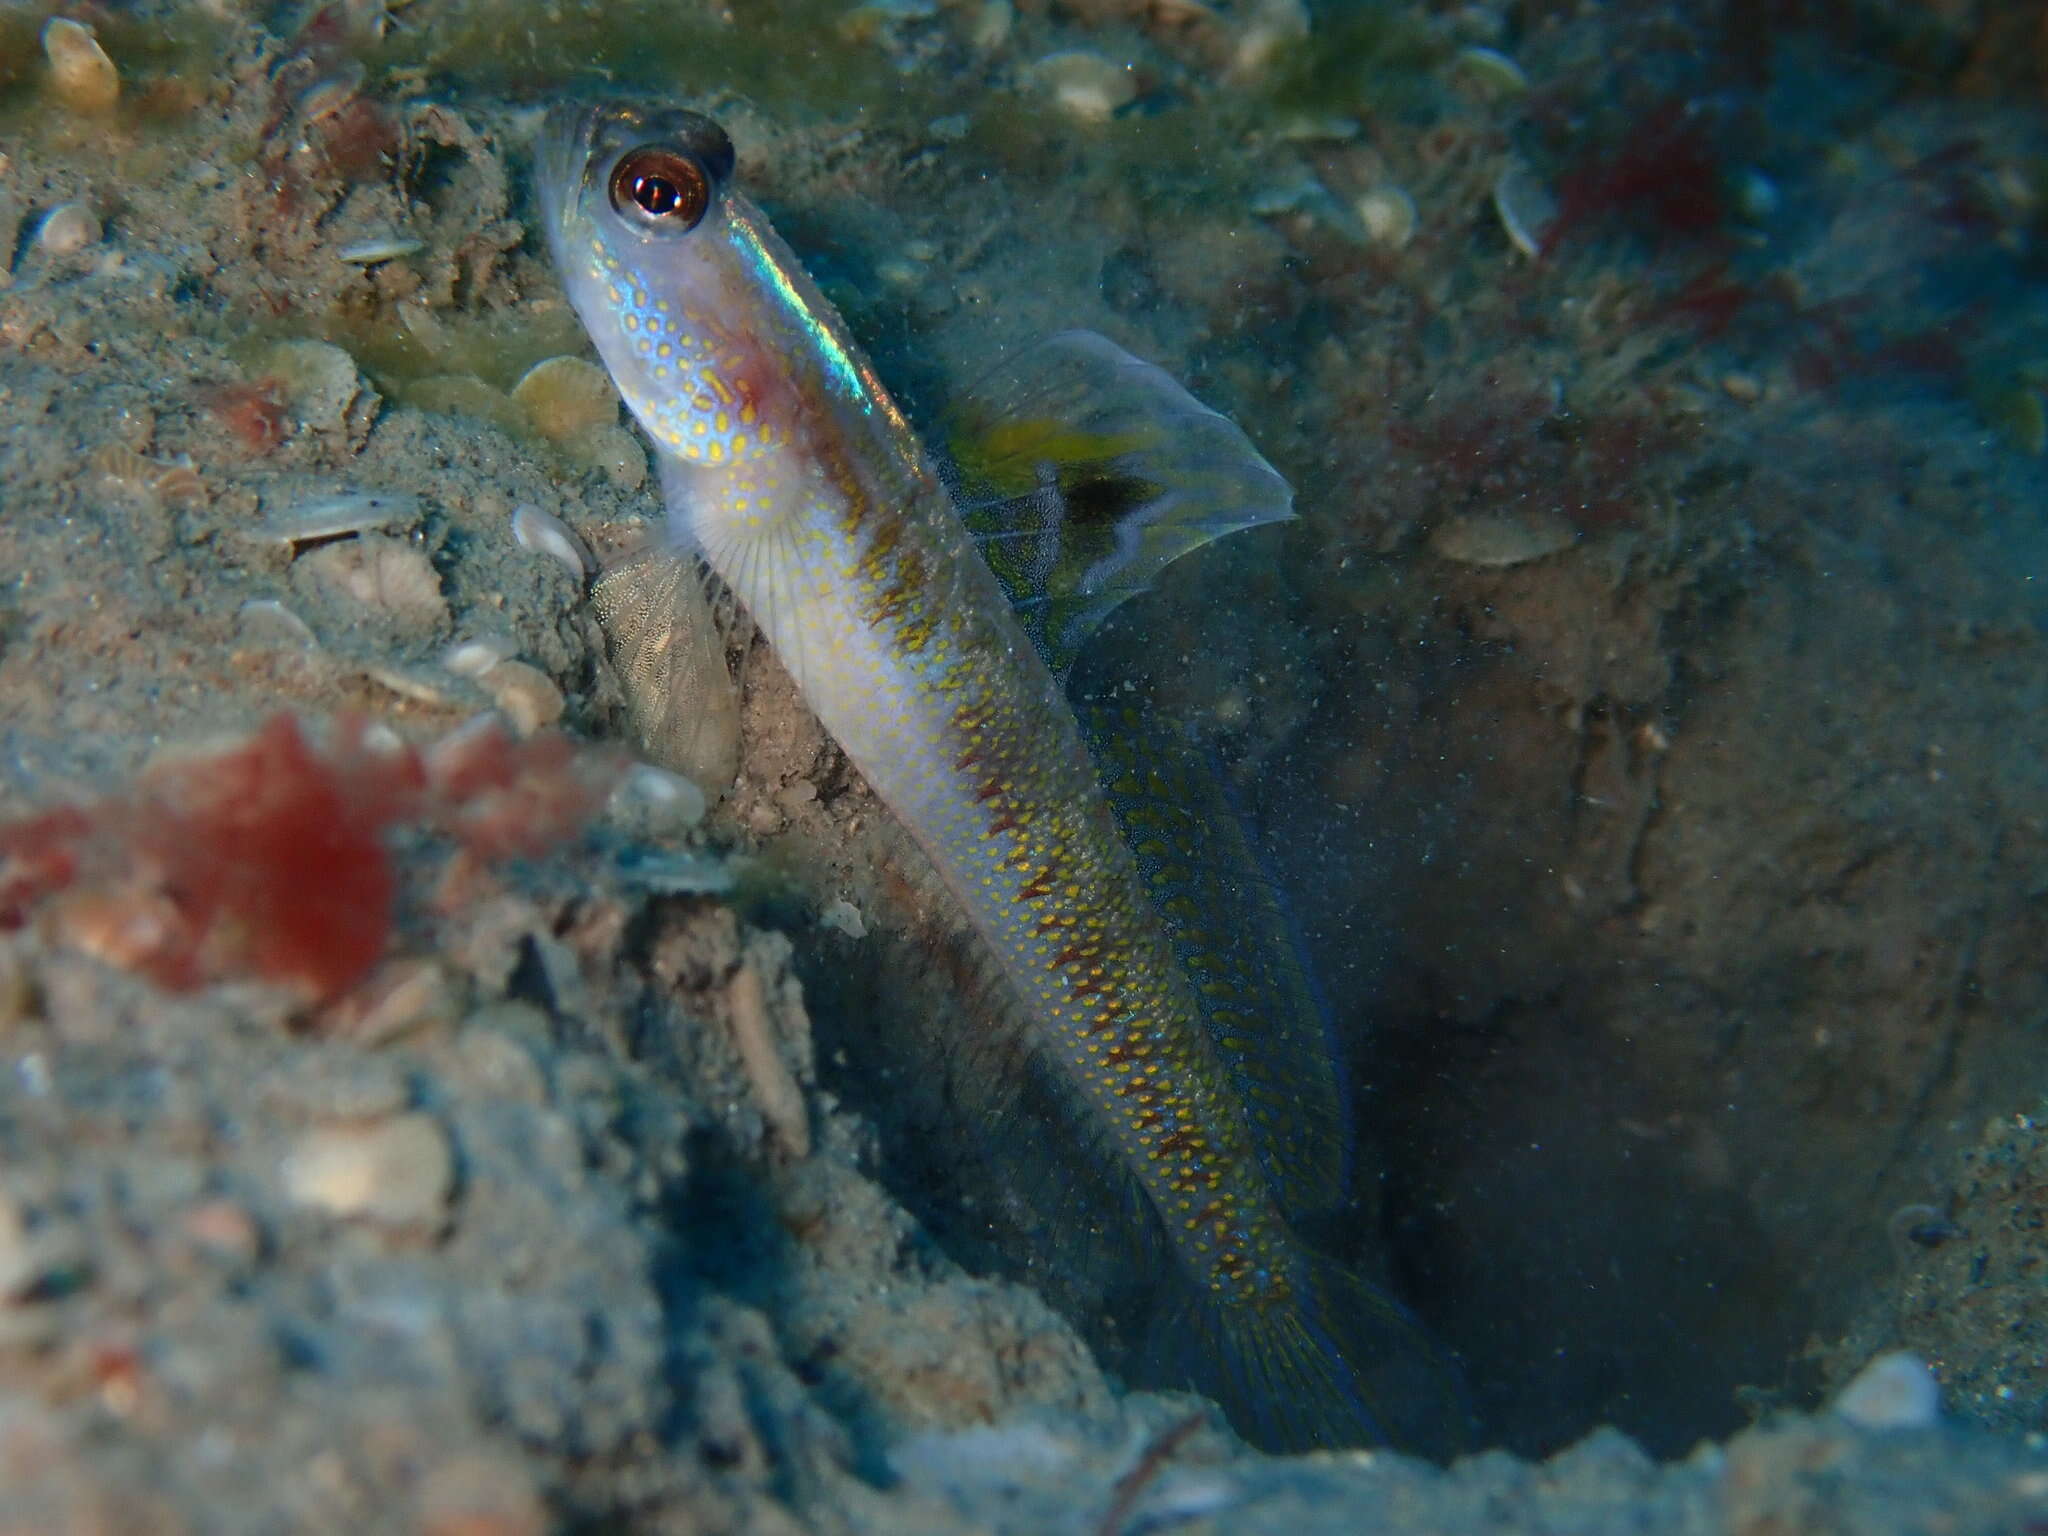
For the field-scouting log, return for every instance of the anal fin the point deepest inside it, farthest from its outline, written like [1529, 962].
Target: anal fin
[1230, 931]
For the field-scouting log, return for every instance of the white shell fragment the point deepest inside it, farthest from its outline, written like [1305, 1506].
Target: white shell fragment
[1085, 85]
[67, 229]
[335, 517]
[1499, 539]
[1525, 207]
[1894, 1391]
[1388, 214]
[81, 74]
[843, 915]
[656, 801]
[368, 253]
[543, 533]
[473, 658]
[396, 1173]
[546, 534]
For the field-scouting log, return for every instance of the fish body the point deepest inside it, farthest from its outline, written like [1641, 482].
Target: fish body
[790, 470]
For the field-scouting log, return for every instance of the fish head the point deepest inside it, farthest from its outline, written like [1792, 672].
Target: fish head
[659, 258]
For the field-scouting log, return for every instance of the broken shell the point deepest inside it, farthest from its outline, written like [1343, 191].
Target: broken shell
[1500, 539]
[319, 378]
[408, 685]
[843, 915]
[266, 621]
[68, 228]
[122, 467]
[368, 253]
[1085, 85]
[397, 1173]
[525, 695]
[991, 25]
[1496, 75]
[678, 874]
[386, 574]
[546, 534]
[81, 74]
[1388, 214]
[411, 996]
[1277, 26]
[1525, 207]
[334, 517]
[566, 398]
[181, 489]
[326, 98]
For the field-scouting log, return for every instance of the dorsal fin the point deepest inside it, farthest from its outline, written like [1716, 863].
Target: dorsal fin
[1083, 472]
[1230, 932]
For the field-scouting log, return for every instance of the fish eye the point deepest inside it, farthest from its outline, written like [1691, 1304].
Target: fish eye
[660, 189]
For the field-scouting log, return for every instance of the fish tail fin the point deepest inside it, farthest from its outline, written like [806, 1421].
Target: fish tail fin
[1334, 1363]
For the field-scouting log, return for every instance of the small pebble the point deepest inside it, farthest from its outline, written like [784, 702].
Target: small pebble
[68, 228]
[396, 1173]
[224, 1228]
[496, 1061]
[1894, 1391]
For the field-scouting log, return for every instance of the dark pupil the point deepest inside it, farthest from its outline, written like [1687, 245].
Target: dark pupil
[657, 195]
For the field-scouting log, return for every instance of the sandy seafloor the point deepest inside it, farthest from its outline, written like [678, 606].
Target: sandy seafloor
[1643, 717]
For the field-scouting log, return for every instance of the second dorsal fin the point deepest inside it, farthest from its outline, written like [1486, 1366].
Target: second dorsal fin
[1083, 472]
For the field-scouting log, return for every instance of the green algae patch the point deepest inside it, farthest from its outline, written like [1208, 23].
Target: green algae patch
[786, 54]
[1374, 58]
